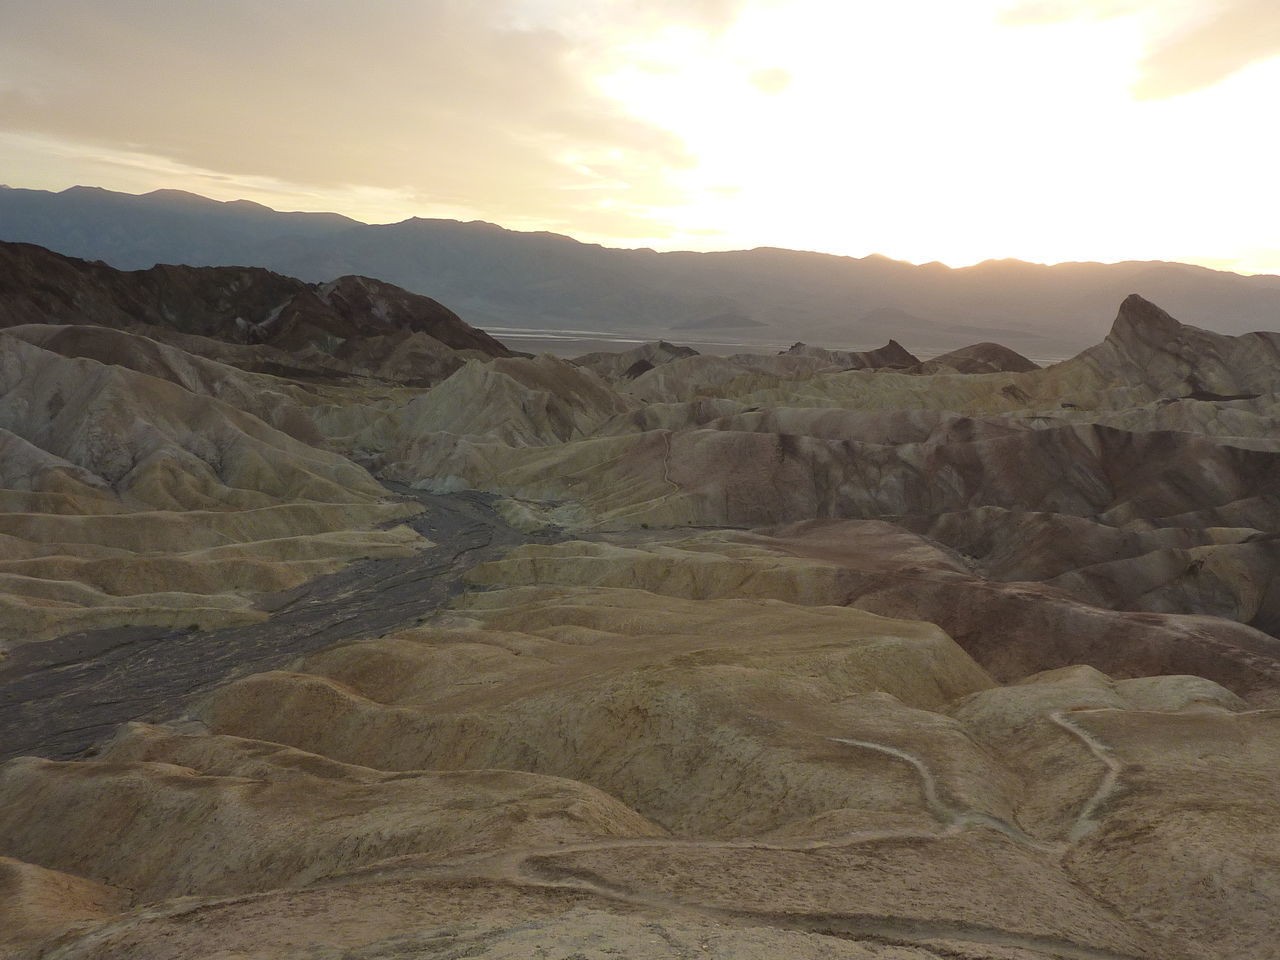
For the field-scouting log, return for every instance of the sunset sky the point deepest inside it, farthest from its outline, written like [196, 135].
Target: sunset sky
[952, 130]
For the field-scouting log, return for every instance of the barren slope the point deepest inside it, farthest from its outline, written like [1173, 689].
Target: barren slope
[832, 661]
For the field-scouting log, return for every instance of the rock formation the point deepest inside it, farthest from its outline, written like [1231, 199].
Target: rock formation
[130, 497]
[979, 358]
[243, 305]
[815, 655]
[629, 364]
[892, 356]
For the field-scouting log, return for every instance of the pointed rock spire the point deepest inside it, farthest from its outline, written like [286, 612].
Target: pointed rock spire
[1140, 319]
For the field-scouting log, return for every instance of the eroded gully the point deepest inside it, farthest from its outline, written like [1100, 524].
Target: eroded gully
[60, 697]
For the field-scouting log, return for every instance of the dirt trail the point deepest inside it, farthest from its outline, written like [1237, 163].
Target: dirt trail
[953, 818]
[1085, 821]
[58, 698]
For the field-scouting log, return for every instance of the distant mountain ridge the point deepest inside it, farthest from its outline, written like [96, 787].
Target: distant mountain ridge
[497, 277]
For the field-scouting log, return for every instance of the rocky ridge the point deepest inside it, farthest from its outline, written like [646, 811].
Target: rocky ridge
[239, 305]
[503, 278]
[829, 657]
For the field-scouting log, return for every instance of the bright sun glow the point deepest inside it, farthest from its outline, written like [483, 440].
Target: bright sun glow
[922, 131]
[952, 130]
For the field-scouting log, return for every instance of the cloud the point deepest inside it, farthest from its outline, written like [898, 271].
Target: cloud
[1037, 12]
[626, 16]
[771, 80]
[456, 103]
[1241, 33]
[1197, 45]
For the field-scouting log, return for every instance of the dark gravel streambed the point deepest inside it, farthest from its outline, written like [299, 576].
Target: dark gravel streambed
[60, 697]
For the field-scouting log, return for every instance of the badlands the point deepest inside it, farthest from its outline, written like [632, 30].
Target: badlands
[339, 630]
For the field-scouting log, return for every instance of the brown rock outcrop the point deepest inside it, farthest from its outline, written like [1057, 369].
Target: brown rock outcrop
[979, 358]
[244, 305]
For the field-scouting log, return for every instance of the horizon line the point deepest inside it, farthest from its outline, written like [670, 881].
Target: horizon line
[766, 247]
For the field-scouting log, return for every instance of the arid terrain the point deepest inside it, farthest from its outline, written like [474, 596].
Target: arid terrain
[332, 628]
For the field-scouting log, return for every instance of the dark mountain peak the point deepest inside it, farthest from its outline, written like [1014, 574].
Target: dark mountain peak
[479, 225]
[1181, 361]
[891, 356]
[248, 205]
[180, 196]
[1140, 319]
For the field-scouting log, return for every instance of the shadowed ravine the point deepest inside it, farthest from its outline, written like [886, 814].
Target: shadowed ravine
[58, 698]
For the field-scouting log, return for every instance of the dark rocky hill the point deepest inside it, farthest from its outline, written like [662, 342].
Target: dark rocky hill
[247, 305]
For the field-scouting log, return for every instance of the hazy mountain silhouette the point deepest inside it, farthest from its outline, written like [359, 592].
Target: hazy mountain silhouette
[498, 277]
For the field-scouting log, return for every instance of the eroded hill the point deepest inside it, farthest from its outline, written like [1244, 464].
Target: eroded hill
[829, 655]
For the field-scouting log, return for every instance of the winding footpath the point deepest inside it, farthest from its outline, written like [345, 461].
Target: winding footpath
[953, 818]
[1085, 819]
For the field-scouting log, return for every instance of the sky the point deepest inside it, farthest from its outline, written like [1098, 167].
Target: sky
[948, 130]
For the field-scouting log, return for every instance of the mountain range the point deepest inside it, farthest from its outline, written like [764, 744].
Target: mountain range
[498, 278]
